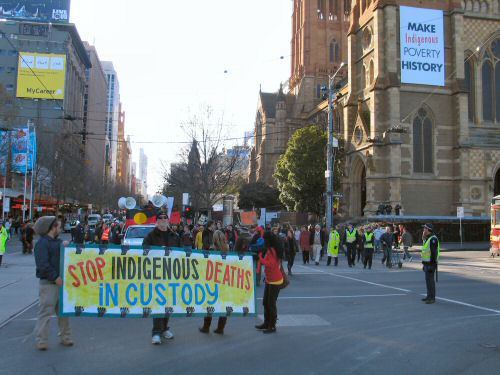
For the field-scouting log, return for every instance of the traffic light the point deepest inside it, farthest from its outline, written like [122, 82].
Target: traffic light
[188, 212]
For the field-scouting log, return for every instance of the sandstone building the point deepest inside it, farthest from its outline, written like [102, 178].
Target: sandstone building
[426, 147]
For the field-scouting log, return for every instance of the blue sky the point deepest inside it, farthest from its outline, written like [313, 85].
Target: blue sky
[171, 57]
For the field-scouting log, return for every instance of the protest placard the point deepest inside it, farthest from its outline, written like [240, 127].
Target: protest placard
[155, 282]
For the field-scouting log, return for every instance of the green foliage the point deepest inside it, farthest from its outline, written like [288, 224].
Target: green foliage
[300, 172]
[258, 195]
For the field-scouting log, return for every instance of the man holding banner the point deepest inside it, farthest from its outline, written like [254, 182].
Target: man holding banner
[162, 235]
[47, 258]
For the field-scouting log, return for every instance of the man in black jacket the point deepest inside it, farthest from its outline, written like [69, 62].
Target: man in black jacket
[430, 257]
[79, 234]
[47, 256]
[208, 236]
[162, 235]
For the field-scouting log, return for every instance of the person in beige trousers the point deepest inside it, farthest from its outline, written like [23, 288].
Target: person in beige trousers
[47, 256]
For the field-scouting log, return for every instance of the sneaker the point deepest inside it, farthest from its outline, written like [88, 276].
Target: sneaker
[168, 334]
[317, 263]
[42, 346]
[156, 340]
[424, 299]
[261, 327]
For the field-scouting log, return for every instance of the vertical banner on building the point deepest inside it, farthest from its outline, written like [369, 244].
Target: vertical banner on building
[422, 46]
[23, 151]
[4, 152]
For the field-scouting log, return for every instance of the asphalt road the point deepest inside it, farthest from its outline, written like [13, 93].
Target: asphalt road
[332, 321]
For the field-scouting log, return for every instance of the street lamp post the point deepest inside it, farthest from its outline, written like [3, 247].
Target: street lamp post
[333, 144]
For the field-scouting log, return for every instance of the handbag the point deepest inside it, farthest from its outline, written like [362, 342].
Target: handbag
[286, 281]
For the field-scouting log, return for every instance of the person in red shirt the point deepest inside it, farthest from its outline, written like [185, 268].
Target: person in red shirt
[274, 280]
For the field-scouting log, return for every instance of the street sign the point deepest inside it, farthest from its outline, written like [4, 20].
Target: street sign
[89, 206]
[25, 207]
[185, 199]
[338, 195]
[328, 174]
[460, 212]
[335, 143]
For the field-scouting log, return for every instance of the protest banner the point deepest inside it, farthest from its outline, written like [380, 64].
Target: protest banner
[155, 282]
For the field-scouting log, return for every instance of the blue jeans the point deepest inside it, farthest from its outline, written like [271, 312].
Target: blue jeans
[378, 245]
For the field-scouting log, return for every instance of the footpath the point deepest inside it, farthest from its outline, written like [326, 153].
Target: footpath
[457, 246]
[18, 284]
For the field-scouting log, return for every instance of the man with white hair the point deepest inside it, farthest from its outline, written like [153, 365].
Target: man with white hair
[387, 239]
[317, 241]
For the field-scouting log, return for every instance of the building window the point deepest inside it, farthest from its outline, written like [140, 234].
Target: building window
[469, 83]
[332, 10]
[321, 9]
[372, 72]
[334, 52]
[490, 82]
[487, 76]
[422, 143]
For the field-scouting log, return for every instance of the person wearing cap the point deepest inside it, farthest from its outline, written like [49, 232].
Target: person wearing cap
[430, 257]
[350, 241]
[79, 234]
[47, 260]
[4, 236]
[369, 246]
[161, 235]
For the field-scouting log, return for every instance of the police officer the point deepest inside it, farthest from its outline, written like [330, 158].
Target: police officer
[369, 245]
[430, 257]
[333, 247]
[350, 240]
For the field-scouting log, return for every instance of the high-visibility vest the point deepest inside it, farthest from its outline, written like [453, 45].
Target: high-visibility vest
[368, 238]
[105, 235]
[333, 243]
[351, 236]
[426, 249]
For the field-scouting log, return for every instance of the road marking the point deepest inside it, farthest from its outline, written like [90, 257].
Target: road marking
[6, 285]
[365, 282]
[467, 304]
[332, 297]
[7, 321]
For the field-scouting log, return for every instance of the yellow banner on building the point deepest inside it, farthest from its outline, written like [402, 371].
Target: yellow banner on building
[41, 76]
[156, 282]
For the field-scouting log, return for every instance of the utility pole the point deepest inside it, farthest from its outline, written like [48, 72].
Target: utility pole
[333, 144]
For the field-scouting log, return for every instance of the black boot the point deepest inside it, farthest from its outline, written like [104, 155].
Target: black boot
[262, 326]
[220, 326]
[206, 325]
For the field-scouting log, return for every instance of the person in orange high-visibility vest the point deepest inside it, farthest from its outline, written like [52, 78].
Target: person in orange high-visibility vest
[105, 234]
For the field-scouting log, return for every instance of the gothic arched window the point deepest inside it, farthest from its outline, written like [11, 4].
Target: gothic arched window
[469, 83]
[423, 157]
[487, 77]
[334, 52]
[490, 81]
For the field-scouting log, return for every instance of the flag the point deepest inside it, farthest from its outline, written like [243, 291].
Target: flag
[145, 215]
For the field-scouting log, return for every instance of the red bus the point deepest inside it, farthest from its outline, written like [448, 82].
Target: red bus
[495, 227]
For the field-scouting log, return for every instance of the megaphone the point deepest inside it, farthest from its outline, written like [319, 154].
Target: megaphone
[122, 203]
[159, 201]
[130, 203]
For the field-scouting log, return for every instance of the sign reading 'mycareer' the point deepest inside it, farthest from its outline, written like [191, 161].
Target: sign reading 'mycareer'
[422, 46]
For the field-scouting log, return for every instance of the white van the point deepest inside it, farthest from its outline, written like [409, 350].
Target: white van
[107, 217]
[93, 219]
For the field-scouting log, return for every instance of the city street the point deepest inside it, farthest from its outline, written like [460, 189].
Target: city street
[331, 321]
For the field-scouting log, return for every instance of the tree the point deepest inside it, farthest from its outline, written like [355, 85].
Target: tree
[258, 195]
[300, 172]
[206, 170]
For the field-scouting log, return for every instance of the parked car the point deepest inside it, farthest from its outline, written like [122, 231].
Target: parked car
[107, 217]
[134, 235]
[69, 226]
